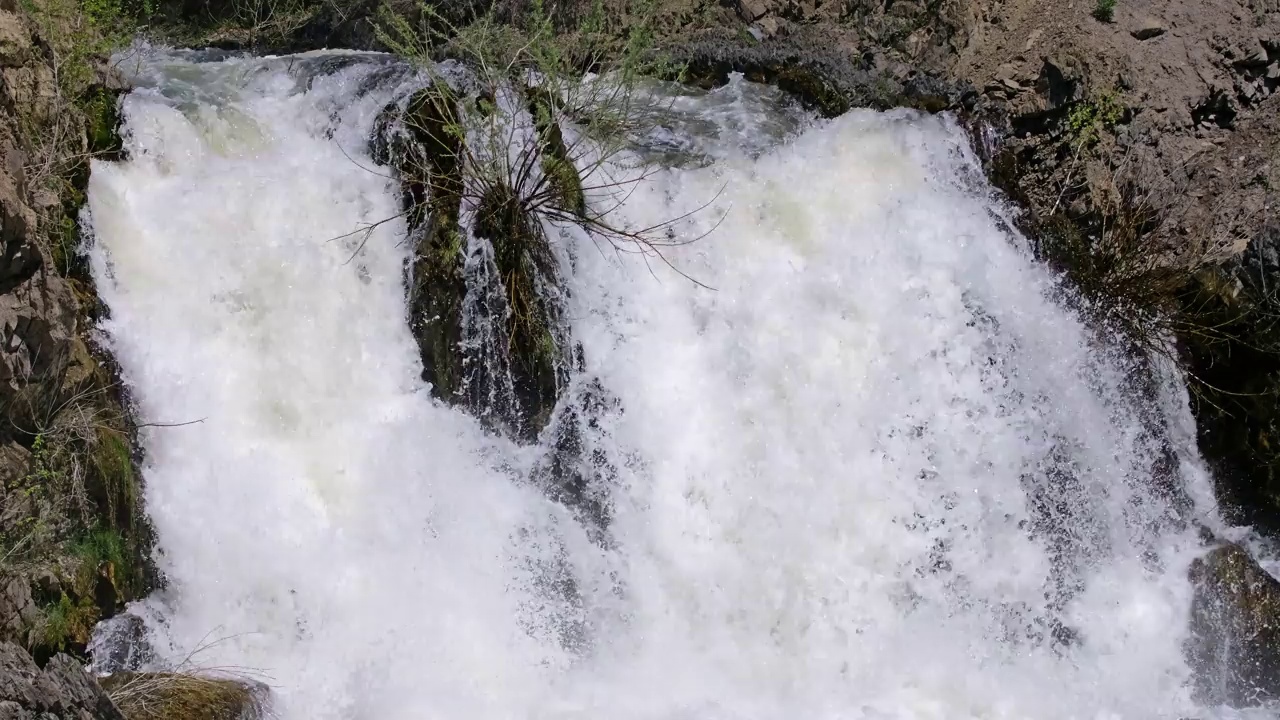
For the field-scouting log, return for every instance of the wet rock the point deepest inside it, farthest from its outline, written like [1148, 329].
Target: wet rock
[819, 76]
[63, 690]
[119, 645]
[532, 356]
[577, 471]
[429, 161]
[556, 162]
[1235, 628]
[503, 359]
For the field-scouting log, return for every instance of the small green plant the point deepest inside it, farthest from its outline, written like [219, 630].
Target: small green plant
[1104, 10]
[1088, 120]
[66, 623]
[43, 469]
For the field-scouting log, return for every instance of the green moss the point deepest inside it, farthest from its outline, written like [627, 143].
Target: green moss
[113, 466]
[102, 116]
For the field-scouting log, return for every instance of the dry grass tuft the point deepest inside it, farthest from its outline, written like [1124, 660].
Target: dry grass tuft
[185, 696]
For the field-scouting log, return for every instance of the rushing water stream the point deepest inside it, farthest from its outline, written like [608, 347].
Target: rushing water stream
[874, 469]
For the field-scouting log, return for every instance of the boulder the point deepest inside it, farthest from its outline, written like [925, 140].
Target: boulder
[1146, 28]
[120, 645]
[1234, 646]
[187, 696]
[62, 690]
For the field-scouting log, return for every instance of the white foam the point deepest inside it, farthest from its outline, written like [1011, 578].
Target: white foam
[875, 372]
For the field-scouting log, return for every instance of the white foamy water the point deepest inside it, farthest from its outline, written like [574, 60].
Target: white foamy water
[872, 473]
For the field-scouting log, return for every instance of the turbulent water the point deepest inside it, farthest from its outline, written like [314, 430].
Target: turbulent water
[868, 465]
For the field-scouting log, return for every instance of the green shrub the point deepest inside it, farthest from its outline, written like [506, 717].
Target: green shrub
[1104, 10]
[1087, 120]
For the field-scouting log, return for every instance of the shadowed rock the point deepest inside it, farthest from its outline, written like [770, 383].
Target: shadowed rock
[1235, 628]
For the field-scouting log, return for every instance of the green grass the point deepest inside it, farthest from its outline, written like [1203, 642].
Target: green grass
[66, 624]
[1104, 10]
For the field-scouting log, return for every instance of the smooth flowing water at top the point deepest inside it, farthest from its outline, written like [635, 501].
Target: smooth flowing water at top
[872, 467]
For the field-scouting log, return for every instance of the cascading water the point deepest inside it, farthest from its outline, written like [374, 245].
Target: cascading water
[879, 470]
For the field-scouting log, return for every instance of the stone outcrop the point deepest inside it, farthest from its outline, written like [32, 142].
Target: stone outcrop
[1235, 628]
[61, 691]
[73, 538]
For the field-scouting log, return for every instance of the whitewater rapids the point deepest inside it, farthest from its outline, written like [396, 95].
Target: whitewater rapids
[875, 468]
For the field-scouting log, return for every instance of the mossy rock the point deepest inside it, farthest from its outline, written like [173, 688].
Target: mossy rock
[1235, 628]
[101, 108]
[557, 163]
[64, 626]
[186, 696]
[526, 265]
[428, 156]
[431, 172]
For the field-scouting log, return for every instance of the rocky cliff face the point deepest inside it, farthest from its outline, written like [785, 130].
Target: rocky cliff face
[61, 691]
[72, 533]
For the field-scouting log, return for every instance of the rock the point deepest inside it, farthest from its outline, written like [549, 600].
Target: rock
[37, 324]
[183, 696]
[1235, 628]
[120, 645]
[1249, 53]
[15, 40]
[1032, 37]
[823, 79]
[752, 10]
[1062, 80]
[1146, 28]
[62, 691]
[768, 27]
[33, 86]
[1273, 71]
[42, 181]
[19, 258]
[17, 609]
[79, 690]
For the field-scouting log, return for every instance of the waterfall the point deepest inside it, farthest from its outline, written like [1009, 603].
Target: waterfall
[865, 460]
